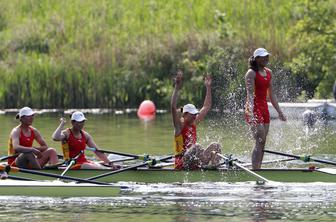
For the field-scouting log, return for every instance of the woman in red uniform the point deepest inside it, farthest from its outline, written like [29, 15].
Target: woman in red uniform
[258, 81]
[21, 141]
[74, 142]
[188, 153]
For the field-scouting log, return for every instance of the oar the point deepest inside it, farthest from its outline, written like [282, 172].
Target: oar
[149, 162]
[144, 157]
[243, 168]
[303, 158]
[7, 157]
[15, 155]
[16, 169]
[271, 161]
[72, 162]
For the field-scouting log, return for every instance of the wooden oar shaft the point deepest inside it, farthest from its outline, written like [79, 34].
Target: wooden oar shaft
[127, 168]
[244, 168]
[300, 157]
[16, 169]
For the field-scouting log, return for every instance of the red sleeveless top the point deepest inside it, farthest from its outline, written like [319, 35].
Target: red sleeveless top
[26, 141]
[189, 136]
[76, 146]
[262, 84]
[260, 110]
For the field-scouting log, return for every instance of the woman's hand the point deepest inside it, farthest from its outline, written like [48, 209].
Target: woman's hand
[208, 80]
[37, 153]
[282, 117]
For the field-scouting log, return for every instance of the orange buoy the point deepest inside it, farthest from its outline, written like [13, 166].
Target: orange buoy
[147, 110]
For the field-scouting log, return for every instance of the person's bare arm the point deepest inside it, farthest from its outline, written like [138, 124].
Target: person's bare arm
[173, 102]
[274, 101]
[59, 134]
[90, 142]
[43, 144]
[250, 82]
[15, 135]
[207, 100]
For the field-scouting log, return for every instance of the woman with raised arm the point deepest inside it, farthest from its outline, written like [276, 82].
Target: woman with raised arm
[258, 81]
[75, 140]
[188, 153]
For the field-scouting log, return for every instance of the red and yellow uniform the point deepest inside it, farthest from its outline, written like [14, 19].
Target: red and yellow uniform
[260, 110]
[73, 146]
[182, 142]
[23, 141]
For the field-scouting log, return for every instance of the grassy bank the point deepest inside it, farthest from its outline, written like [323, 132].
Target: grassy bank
[116, 53]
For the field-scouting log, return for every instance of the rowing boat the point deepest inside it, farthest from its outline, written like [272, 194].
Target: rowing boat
[170, 175]
[55, 188]
[104, 182]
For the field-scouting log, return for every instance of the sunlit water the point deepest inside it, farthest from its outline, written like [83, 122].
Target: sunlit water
[193, 201]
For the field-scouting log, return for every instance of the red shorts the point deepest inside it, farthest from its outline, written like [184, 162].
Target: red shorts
[261, 116]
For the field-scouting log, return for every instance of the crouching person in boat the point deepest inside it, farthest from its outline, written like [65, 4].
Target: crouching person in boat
[189, 154]
[74, 142]
[21, 141]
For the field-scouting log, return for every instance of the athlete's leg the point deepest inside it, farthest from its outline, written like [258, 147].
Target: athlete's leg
[192, 158]
[259, 132]
[210, 156]
[49, 155]
[27, 160]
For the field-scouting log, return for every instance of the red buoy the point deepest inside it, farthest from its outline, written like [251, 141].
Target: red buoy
[147, 110]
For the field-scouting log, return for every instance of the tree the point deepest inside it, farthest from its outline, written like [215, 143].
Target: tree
[314, 39]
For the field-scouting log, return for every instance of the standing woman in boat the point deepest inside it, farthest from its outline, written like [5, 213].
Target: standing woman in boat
[258, 80]
[21, 141]
[188, 153]
[74, 142]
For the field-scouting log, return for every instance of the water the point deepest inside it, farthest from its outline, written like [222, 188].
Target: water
[186, 202]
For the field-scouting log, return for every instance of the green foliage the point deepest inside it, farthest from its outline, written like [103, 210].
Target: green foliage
[116, 53]
[314, 49]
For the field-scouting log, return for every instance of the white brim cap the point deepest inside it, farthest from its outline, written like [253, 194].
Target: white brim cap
[190, 108]
[25, 111]
[78, 116]
[261, 52]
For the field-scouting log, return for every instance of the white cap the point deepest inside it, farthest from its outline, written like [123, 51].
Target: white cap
[260, 52]
[190, 108]
[78, 116]
[25, 111]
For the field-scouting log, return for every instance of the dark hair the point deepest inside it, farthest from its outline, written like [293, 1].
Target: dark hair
[253, 63]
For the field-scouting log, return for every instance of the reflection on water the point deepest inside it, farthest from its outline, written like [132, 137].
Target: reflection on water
[185, 202]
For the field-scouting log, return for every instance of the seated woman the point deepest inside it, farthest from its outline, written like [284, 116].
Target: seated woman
[189, 154]
[21, 142]
[75, 140]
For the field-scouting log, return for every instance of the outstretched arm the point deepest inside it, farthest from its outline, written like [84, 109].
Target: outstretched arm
[173, 102]
[207, 100]
[92, 144]
[274, 102]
